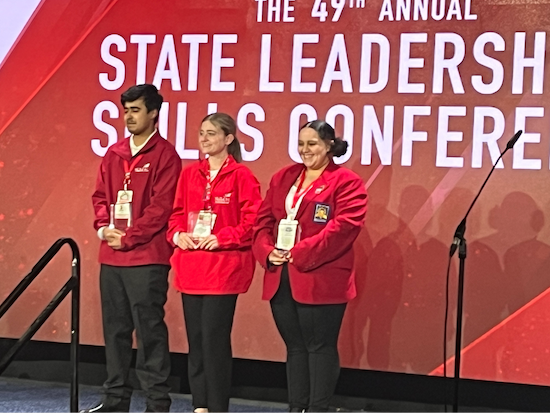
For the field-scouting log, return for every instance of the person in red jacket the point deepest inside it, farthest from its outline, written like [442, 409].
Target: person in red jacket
[132, 201]
[303, 237]
[211, 225]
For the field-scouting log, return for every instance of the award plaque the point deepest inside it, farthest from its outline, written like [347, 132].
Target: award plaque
[120, 216]
[288, 234]
[199, 224]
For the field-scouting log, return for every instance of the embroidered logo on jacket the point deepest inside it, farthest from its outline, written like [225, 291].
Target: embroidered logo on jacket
[321, 213]
[144, 168]
[223, 200]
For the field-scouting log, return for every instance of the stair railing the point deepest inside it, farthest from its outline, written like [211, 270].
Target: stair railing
[71, 286]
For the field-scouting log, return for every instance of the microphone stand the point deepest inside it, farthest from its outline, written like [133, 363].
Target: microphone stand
[460, 243]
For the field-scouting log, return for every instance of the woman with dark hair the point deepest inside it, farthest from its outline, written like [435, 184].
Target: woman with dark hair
[211, 225]
[303, 237]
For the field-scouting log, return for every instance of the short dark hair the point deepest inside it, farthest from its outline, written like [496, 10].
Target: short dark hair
[338, 146]
[150, 94]
[227, 124]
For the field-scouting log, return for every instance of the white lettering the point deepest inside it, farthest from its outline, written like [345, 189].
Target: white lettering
[256, 135]
[218, 62]
[372, 131]
[168, 56]
[441, 63]
[299, 62]
[347, 114]
[107, 57]
[481, 137]
[294, 128]
[181, 127]
[142, 40]
[444, 136]
[365, 85]
[409, 134]
[406, 62]
[265, 61]
[101, 125]
[536, 62]
[194, 41]
[338, 56]
[493, 64]
[519, 161]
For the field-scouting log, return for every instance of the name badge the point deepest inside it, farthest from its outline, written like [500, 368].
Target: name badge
[288, 234]
[124, 196]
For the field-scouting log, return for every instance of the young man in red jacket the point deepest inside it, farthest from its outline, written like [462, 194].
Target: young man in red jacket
[132, 202]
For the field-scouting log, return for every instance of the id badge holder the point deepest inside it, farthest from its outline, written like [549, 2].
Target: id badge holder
[288, 234]
[121, 212]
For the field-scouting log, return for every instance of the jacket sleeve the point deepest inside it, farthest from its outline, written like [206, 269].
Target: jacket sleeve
[155, 216]
[264, 238]
[340, 232]
[250, 198]
[178, 219]
[99, 201]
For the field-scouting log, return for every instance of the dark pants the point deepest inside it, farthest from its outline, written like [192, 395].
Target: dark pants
[134, 298]
[208, 320]
[310, 333]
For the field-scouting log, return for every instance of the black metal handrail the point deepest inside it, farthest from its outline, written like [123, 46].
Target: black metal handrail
[71, 286]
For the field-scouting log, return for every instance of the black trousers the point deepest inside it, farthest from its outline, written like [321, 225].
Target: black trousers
[134, 298]
[208, 320]
[310, 333]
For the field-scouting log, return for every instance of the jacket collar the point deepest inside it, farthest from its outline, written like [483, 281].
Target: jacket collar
[230, 165]
[321, 184]
[122, 148]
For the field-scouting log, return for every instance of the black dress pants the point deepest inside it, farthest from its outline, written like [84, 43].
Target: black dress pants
[208, 320]
[134, 298]
[310, 333]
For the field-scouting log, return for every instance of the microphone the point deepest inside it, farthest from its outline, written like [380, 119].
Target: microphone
[514, 139]
[458, 237]
[461, 229]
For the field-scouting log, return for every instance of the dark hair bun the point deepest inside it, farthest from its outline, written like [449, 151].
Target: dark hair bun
[339, 147]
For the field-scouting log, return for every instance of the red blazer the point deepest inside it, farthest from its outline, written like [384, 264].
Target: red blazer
[154, 181]
[235, 198]
[331, 216]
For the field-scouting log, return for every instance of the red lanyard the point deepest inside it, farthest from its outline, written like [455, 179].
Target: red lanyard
[299, 193]
[128, 168]
[208, 189]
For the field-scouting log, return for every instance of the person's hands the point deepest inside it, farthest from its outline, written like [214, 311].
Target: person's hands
[289, 257]
[185, 242]
[113, 238]
[209, 243]
[277, 257]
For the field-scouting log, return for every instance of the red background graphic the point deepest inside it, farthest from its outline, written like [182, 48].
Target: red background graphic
[50, 88]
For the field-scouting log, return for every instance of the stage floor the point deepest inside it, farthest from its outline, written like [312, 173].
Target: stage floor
[26, 396]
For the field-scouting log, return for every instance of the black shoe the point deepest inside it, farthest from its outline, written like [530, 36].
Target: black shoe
[106, 407]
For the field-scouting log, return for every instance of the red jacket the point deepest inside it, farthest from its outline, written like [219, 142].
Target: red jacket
[331, 216]
[235, 198]
[153, 181]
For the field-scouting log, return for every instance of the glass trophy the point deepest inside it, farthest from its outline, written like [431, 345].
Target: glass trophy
[120, 216]
[199, 224]
[288, 234]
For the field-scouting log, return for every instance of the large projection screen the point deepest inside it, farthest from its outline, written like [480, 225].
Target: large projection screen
[426, 92]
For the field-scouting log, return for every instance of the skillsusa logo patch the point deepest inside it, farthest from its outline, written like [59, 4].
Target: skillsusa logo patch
[223, 200]
[144, 168]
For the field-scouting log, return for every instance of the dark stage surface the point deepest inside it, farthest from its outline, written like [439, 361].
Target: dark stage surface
[25, 396]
